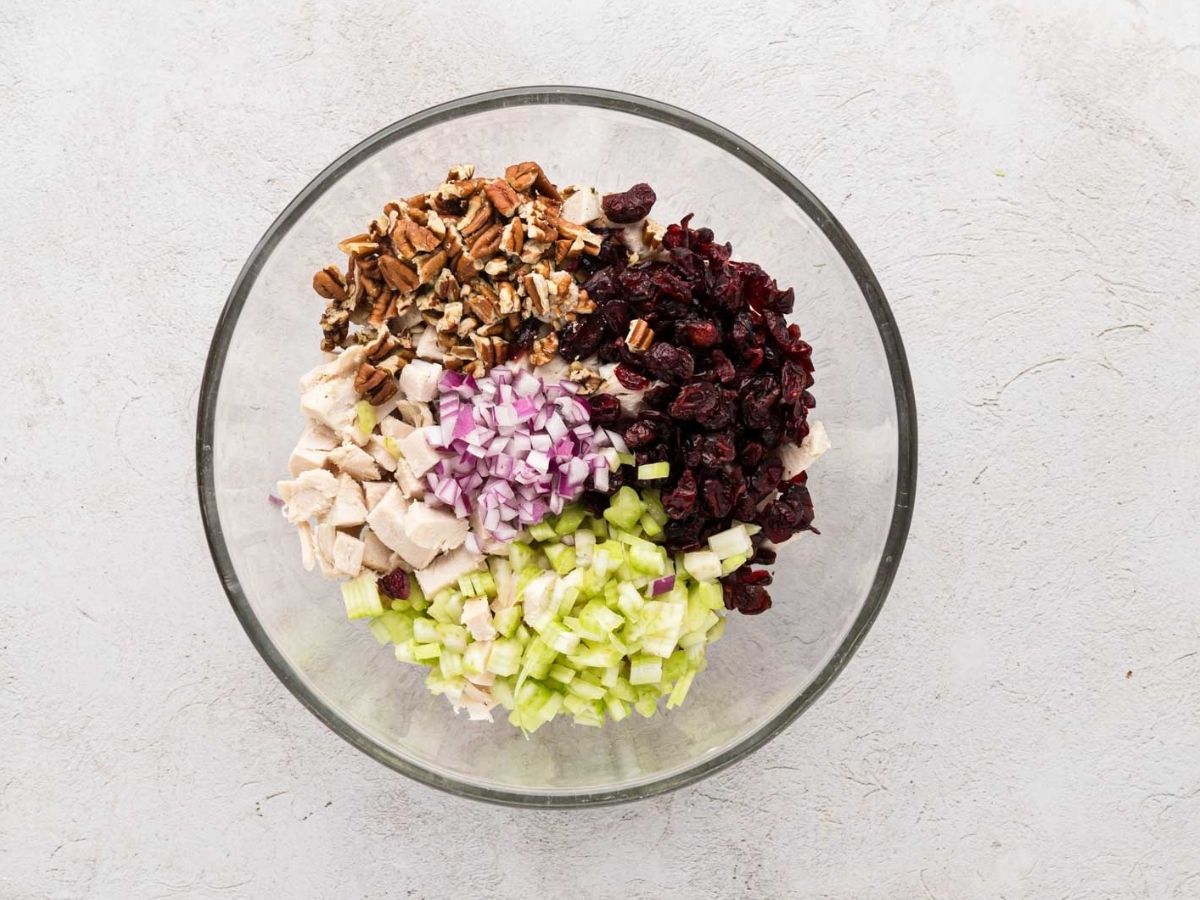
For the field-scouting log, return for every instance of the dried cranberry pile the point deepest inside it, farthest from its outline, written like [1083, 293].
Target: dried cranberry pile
[726, 384]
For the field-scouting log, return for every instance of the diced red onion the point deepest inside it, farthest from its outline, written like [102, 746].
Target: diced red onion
[662, 585]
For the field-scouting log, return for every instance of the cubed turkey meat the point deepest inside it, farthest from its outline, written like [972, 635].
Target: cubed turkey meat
[447, 569]
[354, 460]
[428, 347]
[329, 396]
[387, 520]
[437, 529]
[477, 616]
[347, 555]
[419, 380]
[376, 554]
[582, 207]
[797, 459]
[379, 452]
[417, 453]
[374, 491]
[349, 506]
[309, 495]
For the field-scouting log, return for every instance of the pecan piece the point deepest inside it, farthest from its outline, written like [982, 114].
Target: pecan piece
[521, 176]
[420, 237]
[399, 275]
[429, 266]
[543, 349]
[488, 242]
[461, 172]
[376, 385]
[513, 237]
[359, 245]
[446, 286]
[329, 283]
[503, 197]
[640, 335]
[464, 267]
[384, 345]
[483, 301]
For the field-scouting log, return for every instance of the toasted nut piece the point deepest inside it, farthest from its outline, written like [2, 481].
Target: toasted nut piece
[446, 286]
[640, 335]
[335, 327]
[488, 242]
[384, 345]
[451, 316]
[484, 350]
[496, 266]
[543, 349]
[399, 275]
[374, 384]
[359, 245]
[330, 284]
[383, 307]
[420, 237]
[370, 286]
[400, 241]
[429, 266]
[435, 224]
[482, 302]
[503, 197]
[500, 348]
[467, 326]
[545, 187]
[507, 299]
[561, 249]
[521, 176]
[533, 251]
[461, 172]
[459, 189]
[464, 268]
[589, 380]
[585, 304]
[477, 217]
[462, 351]
[417, 201]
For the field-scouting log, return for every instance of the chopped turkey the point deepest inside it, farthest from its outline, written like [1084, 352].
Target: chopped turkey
[582, 207]
[477, 701]
[347, 555]
[356, 461]
[376, 554]
[379, 452]
[419, 380]
[394, 428]
[308, 496]
[349, 506]
[308, 554]
[536, 597]
[305, 458]
[387, 520]
[410, 485]
[446, 570]
[478, 618]
[417, 453]
[329, 396]
[428, 347]
[374, 491]
[324, 543]
[413, 413]
[797, 459]
[436, 529]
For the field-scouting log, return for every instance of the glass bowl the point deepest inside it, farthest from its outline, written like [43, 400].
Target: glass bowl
[766, 670]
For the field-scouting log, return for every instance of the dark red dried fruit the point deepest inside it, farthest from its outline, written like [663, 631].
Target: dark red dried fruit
[695, 402]
[606, 409]
[716, 450]
[630, 379]
[629, 206]
[581, 338]
[717, 501]
[668, 363]
[395, 584]
[680, 501]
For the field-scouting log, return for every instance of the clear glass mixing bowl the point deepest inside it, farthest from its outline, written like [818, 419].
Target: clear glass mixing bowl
[828, 588]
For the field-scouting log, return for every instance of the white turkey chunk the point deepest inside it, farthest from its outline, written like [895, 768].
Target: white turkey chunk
[349, 506]
[410, 485]
[394, 428]
[582, 207]
[312, 449]
[308, 553]
[419, 380]
[374, 491]
[347, 555]
[324, 543]
[436, 529]
[797, 459]
[329, 396]
[428, 347]
[378, 451]
[477, 701]
[376, 554]
[387, 520]
[477, 616]
[356, 461]
[417, 453]
[308, 496]
[446, 570]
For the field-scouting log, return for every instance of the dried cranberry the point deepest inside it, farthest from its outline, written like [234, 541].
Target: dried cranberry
[717, 501]
[792, 381]
[751, 454]
[682, 535]
[523, 340]
[764, 556]
[629, 206]
[680, 501]
[395, 584]
[659, 396]
[606, 409]
[641, 434]
[581, 338]
[616, 315]
[695, 401]
[716, 450]
[668, 363]
[631, 380]
[699, 333]
[722, 368]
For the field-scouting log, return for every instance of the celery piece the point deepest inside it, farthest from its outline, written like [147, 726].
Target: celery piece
[703, 565]
[585, 689]
[406, 652]
[427, 651]
[629, 600]
[598, 617]
[505, 658]
[714, 633]
[623, 689]
[733, 563]
[653, 471]
[617, 708]
[537, 659]
[654, 507]
[647, 703]
[475, 658]
[651, 527]
[361, 596]
[733, 541]
[595, 657]
[507, 620]
[561, 557]
[367, 419]
[610, 676]
[466, 586]
[600, 529]
[680, 690]
[710, 595]
[647, 559]
[585, 546]
[561, 640]
[453, 637]
[570, 520]
[561, 673]
[502, 691]
[450, 664]
[645, 670]
[542, 531]
[625, 508]
[379, 631]
[675, 667]
[399, 626]
[626, 459]
[519, 556]
[425, 631]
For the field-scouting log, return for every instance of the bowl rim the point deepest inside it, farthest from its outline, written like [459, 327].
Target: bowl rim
[906, 418]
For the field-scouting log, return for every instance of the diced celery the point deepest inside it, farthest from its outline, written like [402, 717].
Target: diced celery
[406, 652]
[542, 531]
[610, 676]
[585, 546]
[645, 670]
[680, 690]
[523, 634]
[654, 507]
[366, 416]
[694, 638]
[418, 604]
[570, 520]
[617, 708]
[647, 703]
[647, 559]
[651, 527]
[466, 585]
[390, 445]
[425, 631]
[502, 691]
[475, 657]
[561, 557]
[399, 626]
[623, 689]
[453, 637]
[361, 596]
[600, 529]
[450, 663]
[597, 616]
[714, 633]
[587, 689]
[505, 658]
[733, 563]
[675, 667]
[653, 471]
[595, 657]
[710, 595]
[626, 459]
[703, 565]
[519, 556]
[560, 639]
[427, 651]
[659, 644]
[625, 508]
[507, 620]
[733, 541]
[561, 673]
[537, 659]
[629, 600]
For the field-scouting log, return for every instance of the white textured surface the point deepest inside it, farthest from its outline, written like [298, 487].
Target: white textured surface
[1022, 176]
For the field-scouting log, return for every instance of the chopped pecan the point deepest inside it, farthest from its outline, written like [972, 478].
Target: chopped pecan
[461, 172]
[589, 380]
[330, 284]
[451, 316]
[496, 266]
[533, 251]
[503, 197]
[371, 287]
[487, 242]
[543, 349]
[507, 302]
[428, 266]
[512, 239]
[483, 301]
[477, 217]
[640, 335]
[383, 346]
[417, 201]
[435, 224]
[359, 245]
[521, 176]
[376, 385]
[383, 308]
[400, 241]
[464, 267]
[466, 326]
[335, 326]
[420, 237]
[399, 275]
[446, 286]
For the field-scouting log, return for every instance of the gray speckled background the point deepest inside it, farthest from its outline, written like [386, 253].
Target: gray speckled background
[1022, 722]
